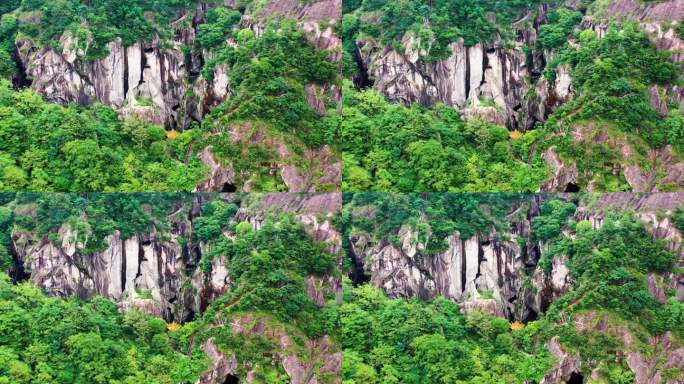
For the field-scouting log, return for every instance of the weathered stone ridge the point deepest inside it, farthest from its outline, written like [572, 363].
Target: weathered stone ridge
[158, 272]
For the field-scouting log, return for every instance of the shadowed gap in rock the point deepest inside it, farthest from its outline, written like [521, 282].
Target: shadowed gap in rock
[231, 379]
[576, 378]
[228, 187]
[572, 187]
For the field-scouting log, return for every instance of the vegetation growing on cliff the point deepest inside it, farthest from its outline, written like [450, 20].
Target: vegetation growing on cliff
[278, 93]
[615, 300]
[270, 271]
[413, 341]
[99, 22]
[437, 23]
[268, 78]
[622, 109]
[613, 77]
[433, 217]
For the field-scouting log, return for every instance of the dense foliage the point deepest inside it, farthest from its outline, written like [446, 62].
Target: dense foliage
[268, 78]
[612, 272]
[268, 267]
[47, 147]
[610, 266]
[433, 216]
[610, 120]
[411, 341]
[437, 22]
[88, 148]
[93, 217]
[50, 340]
[612, 75]
[392, 148]
[97, 23]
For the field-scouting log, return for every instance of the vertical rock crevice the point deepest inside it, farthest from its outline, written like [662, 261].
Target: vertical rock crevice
[125, 73]
[122, 275]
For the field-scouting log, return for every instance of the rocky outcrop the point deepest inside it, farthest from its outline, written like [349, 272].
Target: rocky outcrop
[142, 79]
[157, 80]
[653, 361]
[498, 81]
[316, 361]
[491, 81]
[323, 170]
[498, 272]
[568, 364]
[634, 164]
[483, 81]
[485, 271]
[158, 272]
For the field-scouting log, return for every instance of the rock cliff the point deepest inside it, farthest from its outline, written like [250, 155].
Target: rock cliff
[501, 81]
[161, 81]
[498, 271]
[157, 272]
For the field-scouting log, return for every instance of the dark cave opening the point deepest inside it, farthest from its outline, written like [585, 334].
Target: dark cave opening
[576, 378]
[20, 78]
[530, 315]
[231, 379]
[357, 274]
[228, 187]
[362, 80]
[572, 187]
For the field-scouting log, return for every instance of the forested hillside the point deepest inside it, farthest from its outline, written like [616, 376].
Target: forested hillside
[551, 288]
[169, 96]
[551, 95]
[164, 288]
[442, 288]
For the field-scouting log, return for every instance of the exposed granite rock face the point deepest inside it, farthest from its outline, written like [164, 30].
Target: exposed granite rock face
[158, 273]
[567, 364]
[640, 176]
[499, 83]
[323, 357]
[141, 79]
[646, 369]
[485, 271]
[221, 367]
[490, 81]
[323, 169]
[489, 271]
[163, 85]
[564, 175]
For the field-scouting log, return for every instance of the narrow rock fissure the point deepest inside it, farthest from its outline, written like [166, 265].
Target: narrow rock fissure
[141, 258]
[480, 258]
[158, 250]
[363, 80]
[17, 273]
[123, 266]
[485, 66]
[499, 272]
[228, 187]
[125, 74]
[572, 187]
[356, 274]
[143, 65]
[20, 80]
[463, 266]
[576, 378]
[231, 379]
[467, 73]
